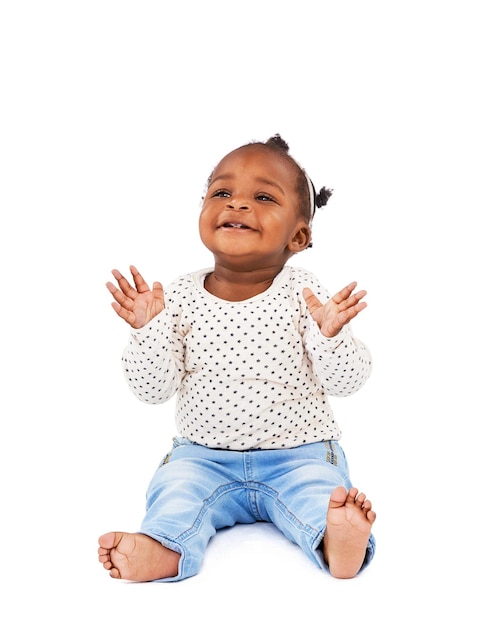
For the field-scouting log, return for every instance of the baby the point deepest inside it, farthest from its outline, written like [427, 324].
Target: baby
[252, 348]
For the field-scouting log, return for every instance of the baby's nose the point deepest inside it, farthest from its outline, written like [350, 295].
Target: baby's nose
[238, 203]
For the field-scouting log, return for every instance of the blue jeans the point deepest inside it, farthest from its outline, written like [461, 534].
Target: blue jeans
[198, 490]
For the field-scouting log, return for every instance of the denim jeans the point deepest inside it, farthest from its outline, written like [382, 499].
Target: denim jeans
[198, 490]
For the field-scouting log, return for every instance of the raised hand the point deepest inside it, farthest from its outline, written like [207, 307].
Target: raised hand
[338, 311]
[136, 305]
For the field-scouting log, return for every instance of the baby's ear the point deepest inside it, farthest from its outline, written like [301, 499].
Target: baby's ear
[301, 239]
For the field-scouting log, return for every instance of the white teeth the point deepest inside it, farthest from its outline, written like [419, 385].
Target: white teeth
[235, 225]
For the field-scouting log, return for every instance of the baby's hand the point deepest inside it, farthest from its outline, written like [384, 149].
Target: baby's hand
[338, 311]
[136, 306]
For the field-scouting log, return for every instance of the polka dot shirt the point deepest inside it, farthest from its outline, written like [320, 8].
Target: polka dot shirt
[250, 374]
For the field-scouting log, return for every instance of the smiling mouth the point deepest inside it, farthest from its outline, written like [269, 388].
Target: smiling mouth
[235, 225]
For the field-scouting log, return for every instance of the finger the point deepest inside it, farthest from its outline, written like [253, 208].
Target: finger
[344, 293]
[123, 313]
[334, 325]
[311, 300]
[123, 283]
[158, 291]
[140, 284]
[352, 301]
[344, 317]
[119, 296]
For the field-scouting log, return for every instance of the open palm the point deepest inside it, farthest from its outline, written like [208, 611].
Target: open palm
[139, 304]
[338, 311]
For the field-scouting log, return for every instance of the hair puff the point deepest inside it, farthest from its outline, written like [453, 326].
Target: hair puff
[323, 196]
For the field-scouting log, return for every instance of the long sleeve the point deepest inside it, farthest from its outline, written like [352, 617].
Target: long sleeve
[342, 364]
[153, 361]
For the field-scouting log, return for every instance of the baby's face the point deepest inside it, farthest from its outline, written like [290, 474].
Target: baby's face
[250, 215]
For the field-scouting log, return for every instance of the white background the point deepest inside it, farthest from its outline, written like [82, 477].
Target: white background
[113, 114]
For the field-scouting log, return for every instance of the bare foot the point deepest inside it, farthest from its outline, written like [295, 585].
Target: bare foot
[136, 557]
[348, 527]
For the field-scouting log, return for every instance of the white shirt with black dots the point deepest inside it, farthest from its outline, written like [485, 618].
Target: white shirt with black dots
[250, 374]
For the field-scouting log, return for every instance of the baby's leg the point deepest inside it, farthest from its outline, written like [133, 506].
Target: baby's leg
[136, 557]
[348, 528]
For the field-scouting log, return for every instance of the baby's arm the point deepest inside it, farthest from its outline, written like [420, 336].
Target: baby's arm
[138, 305]
[153, 360]
[152, 369]
[341, 362]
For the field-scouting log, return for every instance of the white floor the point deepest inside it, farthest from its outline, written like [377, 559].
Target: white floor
[252, 574]
[433, 565]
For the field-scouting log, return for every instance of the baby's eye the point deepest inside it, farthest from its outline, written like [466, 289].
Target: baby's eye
[264, 198]
[221, 193]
